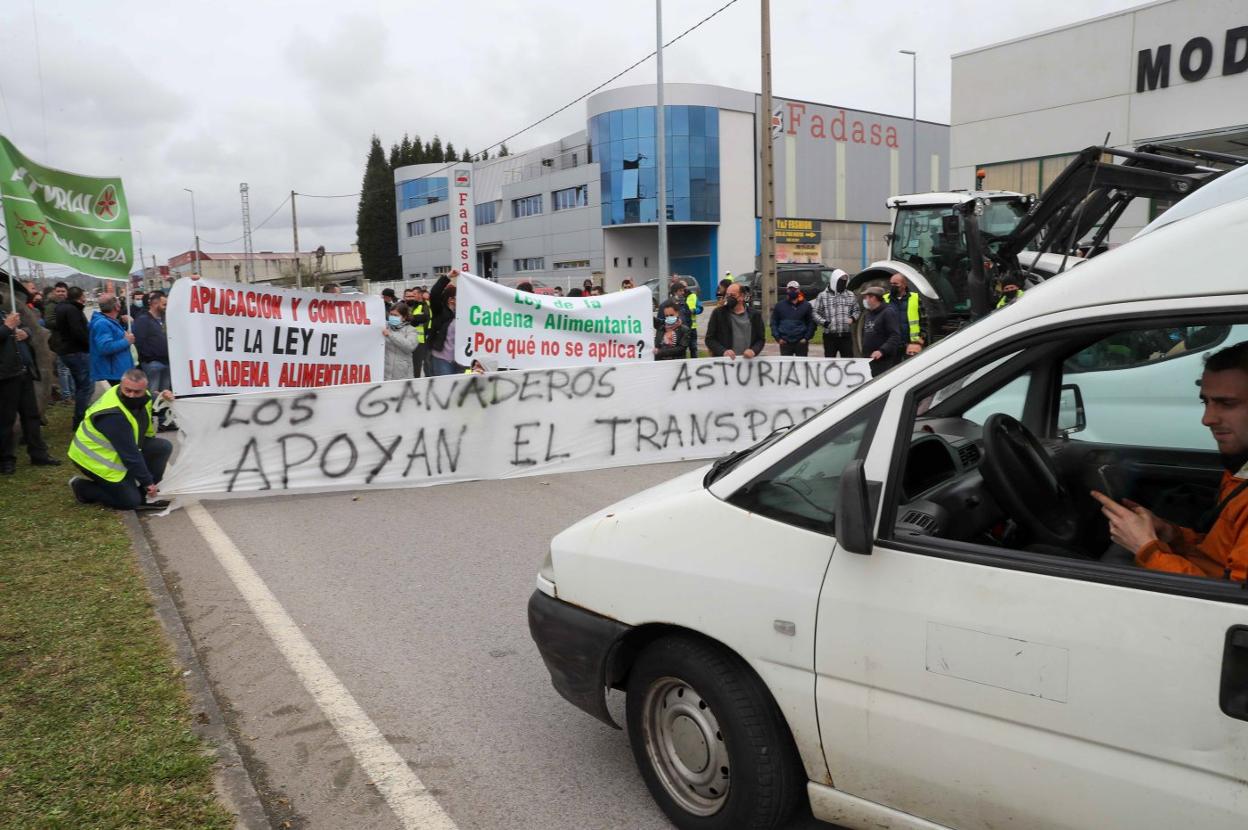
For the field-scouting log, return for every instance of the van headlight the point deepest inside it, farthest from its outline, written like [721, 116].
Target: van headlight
[546, 576]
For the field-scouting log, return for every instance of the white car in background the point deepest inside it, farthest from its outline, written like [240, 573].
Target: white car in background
[898, 611]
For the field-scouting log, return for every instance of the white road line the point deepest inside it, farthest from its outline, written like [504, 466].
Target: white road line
[410, 800]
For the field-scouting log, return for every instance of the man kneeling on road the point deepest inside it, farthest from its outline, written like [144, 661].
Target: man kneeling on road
[117, 450]
[1220, 548]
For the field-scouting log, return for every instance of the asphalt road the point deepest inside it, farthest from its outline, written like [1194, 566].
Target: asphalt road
[416, 601]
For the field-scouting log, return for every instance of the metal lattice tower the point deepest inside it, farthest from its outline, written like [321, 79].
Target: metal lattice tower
[248, 252]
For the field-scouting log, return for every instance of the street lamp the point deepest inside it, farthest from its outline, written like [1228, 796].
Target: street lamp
[194, 227]
[914, 118]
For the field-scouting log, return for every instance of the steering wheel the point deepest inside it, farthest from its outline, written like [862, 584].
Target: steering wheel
[1025, 483]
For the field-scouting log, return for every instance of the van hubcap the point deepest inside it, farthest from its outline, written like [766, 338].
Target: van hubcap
[685, 746]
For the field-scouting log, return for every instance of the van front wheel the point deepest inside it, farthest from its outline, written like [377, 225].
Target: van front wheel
[710, 742]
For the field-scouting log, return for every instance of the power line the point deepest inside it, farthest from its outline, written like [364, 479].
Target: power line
[575, 101]
[339, 196]
[256, 228]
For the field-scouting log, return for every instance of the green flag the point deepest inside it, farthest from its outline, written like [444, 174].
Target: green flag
[54, 216]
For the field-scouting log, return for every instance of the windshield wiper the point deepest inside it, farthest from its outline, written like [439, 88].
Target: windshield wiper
[725, 463]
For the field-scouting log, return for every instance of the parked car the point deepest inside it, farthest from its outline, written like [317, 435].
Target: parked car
[901, 611]
[812, 279]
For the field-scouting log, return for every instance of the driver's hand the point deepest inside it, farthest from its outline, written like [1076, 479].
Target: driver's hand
[1165, 531]
[1131, 528]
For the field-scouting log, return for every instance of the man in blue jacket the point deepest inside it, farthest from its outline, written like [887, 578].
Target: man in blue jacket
[793, 322]
[110, 343]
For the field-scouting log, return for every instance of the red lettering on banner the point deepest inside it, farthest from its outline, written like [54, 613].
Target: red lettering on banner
[236, 373]
[200, 377]
[304, 375]
[231, 302]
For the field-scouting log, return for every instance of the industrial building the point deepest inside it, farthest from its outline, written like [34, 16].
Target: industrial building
[586, 206]
[1173, 72]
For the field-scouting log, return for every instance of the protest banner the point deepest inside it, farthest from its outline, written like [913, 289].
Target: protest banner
[529, 331]
[228, 337]
[58, 217]
[415, 433]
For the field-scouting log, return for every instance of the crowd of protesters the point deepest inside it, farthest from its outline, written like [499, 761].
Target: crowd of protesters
[95, 369]
[891, 325]
[112, 366]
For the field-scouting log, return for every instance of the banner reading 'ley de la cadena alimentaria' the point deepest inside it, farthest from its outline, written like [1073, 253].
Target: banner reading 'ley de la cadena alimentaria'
[58, 217]
[416, 433]
[520, 330]
[229, 337]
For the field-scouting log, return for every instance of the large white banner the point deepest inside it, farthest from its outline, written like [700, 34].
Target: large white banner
[530, 331]
[230, 337]
[415, 433]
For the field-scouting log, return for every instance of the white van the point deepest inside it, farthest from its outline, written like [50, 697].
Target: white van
[898, 609]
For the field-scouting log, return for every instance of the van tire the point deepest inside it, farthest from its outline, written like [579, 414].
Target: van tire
[686, 694]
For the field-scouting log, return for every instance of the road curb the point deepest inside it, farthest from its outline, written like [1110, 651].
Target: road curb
[233, 784]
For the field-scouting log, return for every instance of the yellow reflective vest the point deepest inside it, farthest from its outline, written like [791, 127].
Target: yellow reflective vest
[92, 451]
[1007, 300]
[422, 329]
[914, 333]
[691, 302]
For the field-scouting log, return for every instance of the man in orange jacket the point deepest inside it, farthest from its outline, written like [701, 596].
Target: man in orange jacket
[1222, 551]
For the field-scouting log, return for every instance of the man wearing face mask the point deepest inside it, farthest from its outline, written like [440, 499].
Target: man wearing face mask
[836, 309]
[882, 340]
[735, 329]
[793, 322]
[1009, 293]
[117, 451]
[910, 313]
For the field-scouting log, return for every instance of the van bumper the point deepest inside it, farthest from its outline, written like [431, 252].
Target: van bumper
[575, 645]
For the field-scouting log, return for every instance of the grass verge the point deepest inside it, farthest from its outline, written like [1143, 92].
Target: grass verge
[94, 721]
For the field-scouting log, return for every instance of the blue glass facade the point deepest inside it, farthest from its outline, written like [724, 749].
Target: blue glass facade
[623, 144]
[418, 192]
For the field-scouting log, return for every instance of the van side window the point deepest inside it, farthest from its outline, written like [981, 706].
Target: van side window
[1138, 386]
[802, 489]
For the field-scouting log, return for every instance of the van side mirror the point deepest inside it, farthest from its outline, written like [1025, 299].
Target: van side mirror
[855, 518]
[1071, 417]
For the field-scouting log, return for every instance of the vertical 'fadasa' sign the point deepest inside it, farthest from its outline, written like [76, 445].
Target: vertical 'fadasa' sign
[54, 216]
[463, 221]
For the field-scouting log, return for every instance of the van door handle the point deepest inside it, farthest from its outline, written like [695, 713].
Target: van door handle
[1233, 695]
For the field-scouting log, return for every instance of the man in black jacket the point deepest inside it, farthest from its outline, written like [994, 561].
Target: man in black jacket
[72, 344]
[153, 344]
[735, 330]
[18, 373]
[882, 340]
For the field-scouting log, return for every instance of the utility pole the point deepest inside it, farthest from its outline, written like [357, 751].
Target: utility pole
[767, 265]
[142, 268]
[195, 228]
[249, 253]
[294, 227]
[914, 121]
[660, 128]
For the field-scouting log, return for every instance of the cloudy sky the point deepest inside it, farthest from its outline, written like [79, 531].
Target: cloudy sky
[284, 95]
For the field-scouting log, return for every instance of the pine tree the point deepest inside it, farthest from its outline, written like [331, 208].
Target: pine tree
[502, 150]
[435, 150]
[428, 153]
[467, 156]
[417, 155]
[405, 150]
[396, 156]
[376, 231]
[450, 153]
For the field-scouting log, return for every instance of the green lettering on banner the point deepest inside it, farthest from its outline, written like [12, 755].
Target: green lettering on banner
[599, 325]
[479, 316]
[58, 217]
